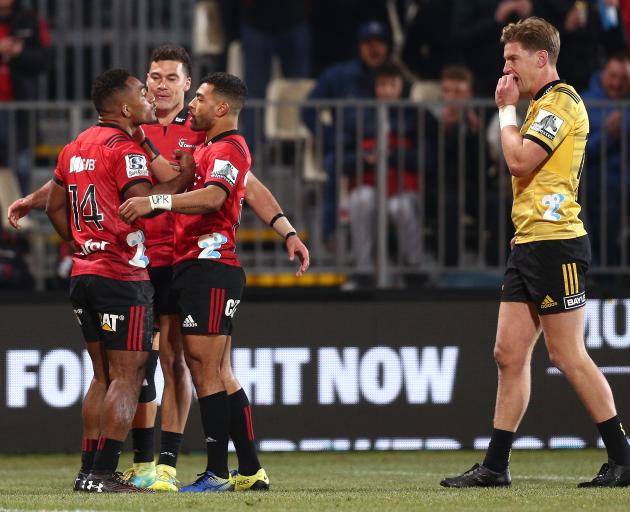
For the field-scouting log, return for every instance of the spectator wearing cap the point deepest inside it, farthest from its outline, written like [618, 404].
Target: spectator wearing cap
[352, 79]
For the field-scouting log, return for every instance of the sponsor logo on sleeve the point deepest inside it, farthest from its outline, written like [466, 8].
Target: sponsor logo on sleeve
[225, 170]
[547, 124]
[136, 165]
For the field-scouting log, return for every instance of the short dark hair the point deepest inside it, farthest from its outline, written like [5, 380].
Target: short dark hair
[173, 52]
[390, 69]
[230, 86]
[458, 73]
[106, 85]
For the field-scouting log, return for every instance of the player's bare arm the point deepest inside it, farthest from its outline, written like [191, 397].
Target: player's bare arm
[266, 207]
[163, 169]
[207, 200]
[34, 201]
[521, 155]
[56, 209]
[177, 184]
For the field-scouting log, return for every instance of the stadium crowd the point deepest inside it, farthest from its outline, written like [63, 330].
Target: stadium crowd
[425, 40]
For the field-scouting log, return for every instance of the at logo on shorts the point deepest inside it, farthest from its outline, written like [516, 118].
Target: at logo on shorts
[109, 322]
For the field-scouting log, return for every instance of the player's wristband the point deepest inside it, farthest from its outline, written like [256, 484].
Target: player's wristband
[507, 116]
[283, 227]
[161, 201]
[152, 149]
[290, 234]
[275, 218]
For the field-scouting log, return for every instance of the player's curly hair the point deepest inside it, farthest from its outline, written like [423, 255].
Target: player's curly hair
[534, 34]
[106, 85]
[230, 86]
[173, 52]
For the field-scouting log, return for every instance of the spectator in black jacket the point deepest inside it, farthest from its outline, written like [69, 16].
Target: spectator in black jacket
[475, 31]
[24, 54]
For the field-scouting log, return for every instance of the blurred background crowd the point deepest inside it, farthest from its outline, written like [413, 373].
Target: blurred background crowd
[372, 120]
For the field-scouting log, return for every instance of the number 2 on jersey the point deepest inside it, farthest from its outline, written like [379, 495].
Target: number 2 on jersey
[552, 202]
[210, 244]
[136, 239]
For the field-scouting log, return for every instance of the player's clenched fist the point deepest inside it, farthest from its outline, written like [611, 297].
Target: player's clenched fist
[506, 92]
[133, 208]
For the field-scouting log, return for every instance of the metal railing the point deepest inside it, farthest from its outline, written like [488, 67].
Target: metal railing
[91, 36]
[455, 175]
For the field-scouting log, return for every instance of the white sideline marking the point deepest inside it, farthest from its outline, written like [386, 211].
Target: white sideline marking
[606, 370]
[516, 477]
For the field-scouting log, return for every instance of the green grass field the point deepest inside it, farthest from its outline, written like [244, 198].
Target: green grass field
[380, 481]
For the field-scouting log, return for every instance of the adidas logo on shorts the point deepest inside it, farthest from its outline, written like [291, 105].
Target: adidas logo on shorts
[189, 322]
[548, 302]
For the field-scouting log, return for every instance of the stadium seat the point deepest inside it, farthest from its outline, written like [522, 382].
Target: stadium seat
[208, 33]
[235, 59]
[425, 90]
[9, 192]
[283, 121]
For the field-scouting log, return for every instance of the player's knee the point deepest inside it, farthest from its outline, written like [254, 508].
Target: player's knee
[507, 359]
[565, 361]
[147, 391]
[175, 369]
[362, 200]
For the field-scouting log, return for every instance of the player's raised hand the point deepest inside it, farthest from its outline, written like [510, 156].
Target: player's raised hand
[506, 92]
[18, 209]
[184, 163]
[295, 247]
[133, 208]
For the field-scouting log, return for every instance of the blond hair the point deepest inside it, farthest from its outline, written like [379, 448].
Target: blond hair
[534, 34]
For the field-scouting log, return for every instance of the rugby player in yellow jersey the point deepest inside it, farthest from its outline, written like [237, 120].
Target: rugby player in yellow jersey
[544, 283]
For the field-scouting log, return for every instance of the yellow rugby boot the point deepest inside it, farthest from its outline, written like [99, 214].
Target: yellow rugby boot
[165, 480]
[257, 482]
[141, 474]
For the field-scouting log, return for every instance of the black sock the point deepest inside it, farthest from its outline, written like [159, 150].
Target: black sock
[169, 448]
[215, 417]
[107, 454]
[242, 433]
[498, 454]
[87, 454]
[143, 444]
[615, 440]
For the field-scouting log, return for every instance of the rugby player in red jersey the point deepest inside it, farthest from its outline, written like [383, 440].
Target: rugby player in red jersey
[208, 279]
[110, 290]
[168, 80]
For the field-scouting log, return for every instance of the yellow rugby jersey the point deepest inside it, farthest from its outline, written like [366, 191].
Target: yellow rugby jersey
[545, 202]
